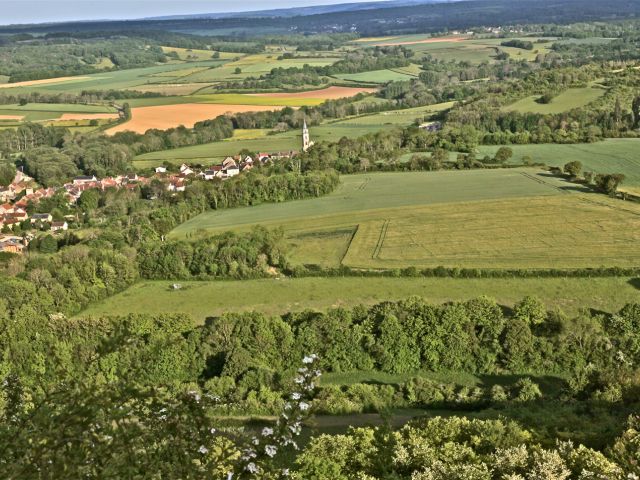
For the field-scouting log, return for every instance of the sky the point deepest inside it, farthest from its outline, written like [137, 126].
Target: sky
[40, 11]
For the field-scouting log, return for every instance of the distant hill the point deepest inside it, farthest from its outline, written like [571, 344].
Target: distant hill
[303, 11]
[369, 18]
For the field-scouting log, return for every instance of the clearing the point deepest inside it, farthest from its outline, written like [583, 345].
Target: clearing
[203, 299]
[565, 101]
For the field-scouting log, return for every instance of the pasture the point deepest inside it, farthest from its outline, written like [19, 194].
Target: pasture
[610, 156]
[206, 299]
[565, 101]
[510, 218]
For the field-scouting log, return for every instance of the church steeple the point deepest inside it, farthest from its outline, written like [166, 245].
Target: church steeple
[306, 139]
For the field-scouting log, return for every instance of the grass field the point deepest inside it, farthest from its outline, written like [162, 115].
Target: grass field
[206, 299]
[609, 156]
[376, 76]
[513, 218]
[34, 112]
[567, 100]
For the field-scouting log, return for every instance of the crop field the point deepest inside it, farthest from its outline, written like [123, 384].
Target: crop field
[610, 156]
[209, 299]
[168, 116]
[514, 218]
[567, 100]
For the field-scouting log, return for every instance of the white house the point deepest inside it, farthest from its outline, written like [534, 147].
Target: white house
[59, 226]
[161, 169]
[186, 169]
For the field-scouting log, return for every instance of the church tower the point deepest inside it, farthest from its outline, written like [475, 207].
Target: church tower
[306, 139]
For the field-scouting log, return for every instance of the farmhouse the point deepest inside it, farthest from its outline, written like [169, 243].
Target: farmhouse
[41, 217]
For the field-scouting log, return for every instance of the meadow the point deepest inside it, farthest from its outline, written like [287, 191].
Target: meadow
[35, 112]
[508, 218]
[203, 299]
[609, 156]
[565, 101]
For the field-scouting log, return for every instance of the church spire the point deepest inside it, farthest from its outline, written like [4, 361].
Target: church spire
[306, 139]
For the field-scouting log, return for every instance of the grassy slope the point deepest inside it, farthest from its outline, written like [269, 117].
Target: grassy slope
[567, 100]
[610, 156]
[481, 219]
[205, 299]
[364, 193]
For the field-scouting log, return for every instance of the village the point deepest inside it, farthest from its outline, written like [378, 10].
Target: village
[18, 227]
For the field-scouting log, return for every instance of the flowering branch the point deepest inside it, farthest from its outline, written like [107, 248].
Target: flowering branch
[257, 457]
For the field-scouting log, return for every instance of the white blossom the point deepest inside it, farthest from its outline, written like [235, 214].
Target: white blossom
[252, 468]
[299, 380]
[296, 396]
[304, 406]
[266, 432]
[271, 450]
[212, 431]
[203, 450]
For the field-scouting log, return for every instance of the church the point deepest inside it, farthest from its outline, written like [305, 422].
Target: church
[306, 139]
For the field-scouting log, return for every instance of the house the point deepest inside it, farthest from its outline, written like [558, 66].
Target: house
[231, 171]
[229, 162]
[263, 157]
[59, 226]
[41, 217]
[11, 246]
[186, 169]
[208, 174]
[132, 177]
[161, 169]
[6, 208]
[19, 214]
[176, 185]
[84, 179]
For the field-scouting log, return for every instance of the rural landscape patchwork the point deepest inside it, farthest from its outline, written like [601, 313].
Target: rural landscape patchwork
[394, 240]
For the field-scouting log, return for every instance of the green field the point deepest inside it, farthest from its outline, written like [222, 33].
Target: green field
[34, 112]
[514, 218]
[207, 299]
[609, 156]
[377, 76]
[567, 100]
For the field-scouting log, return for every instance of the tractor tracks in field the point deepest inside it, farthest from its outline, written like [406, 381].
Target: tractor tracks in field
[381, 237]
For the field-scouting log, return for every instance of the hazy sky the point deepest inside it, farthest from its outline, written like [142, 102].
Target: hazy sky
[37, 11]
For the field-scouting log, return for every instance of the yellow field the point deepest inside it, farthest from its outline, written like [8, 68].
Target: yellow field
[564, 231]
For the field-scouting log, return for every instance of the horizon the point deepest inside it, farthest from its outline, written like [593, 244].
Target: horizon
[60, 11]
